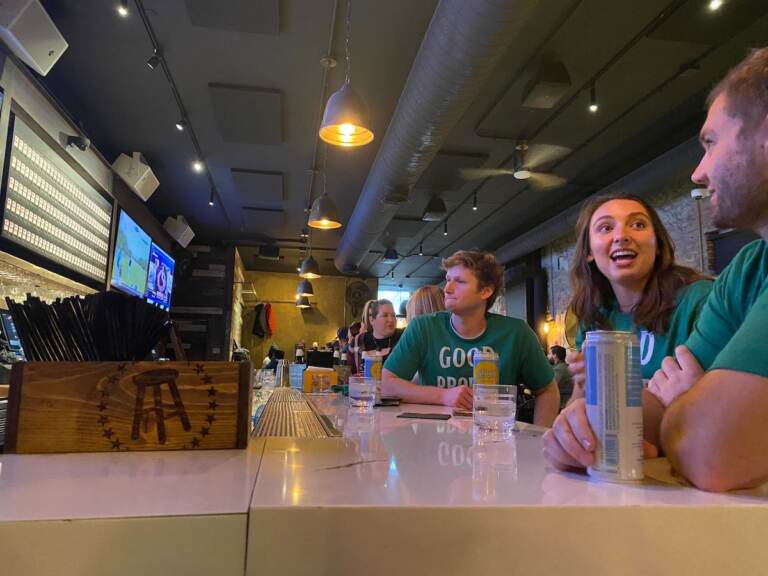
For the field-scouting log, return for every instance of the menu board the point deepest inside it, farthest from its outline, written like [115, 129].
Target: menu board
[160, 277]
[51, 210]
[129, 269]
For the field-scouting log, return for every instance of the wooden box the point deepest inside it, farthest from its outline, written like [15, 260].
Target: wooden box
[120, 406]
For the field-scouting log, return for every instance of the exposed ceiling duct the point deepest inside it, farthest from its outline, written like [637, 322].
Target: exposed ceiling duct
[669, 167]
[461, 48]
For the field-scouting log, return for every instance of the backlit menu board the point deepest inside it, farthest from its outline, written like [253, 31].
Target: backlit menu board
[51, 210]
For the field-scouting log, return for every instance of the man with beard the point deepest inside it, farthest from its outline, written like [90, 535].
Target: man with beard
[712, 399]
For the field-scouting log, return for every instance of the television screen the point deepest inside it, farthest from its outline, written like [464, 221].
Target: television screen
[9, 329]
[160, 277]
[129, 267]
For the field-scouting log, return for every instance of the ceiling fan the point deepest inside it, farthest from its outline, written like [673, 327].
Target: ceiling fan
[529, 162]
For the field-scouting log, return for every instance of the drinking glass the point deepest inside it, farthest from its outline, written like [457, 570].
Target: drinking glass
[494, 409]
[362, 393]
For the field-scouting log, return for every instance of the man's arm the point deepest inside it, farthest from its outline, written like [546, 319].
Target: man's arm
[715, 433]
[391, 385]
[547, 404]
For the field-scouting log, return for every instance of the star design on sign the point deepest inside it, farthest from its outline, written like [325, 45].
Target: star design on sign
[204, 431]
[199, 368]
[211, 391]
[212, 405]
[108, 433]
[102, 406]
[207, 379]
[195, 442]
[103, 419]
[116, 444]
[210, 418]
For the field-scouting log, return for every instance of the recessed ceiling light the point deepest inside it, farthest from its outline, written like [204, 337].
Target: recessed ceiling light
[122, 8]
[197, 166]
[715, 5]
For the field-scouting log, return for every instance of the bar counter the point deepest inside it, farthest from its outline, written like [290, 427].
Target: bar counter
[389, 496]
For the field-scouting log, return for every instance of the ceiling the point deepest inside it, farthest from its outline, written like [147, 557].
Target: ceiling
[248, 73]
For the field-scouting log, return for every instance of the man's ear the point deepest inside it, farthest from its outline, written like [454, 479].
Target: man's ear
[486, 292]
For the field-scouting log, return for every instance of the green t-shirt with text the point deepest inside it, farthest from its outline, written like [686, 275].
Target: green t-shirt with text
[655, 346]
[442, 358]
[731, 330]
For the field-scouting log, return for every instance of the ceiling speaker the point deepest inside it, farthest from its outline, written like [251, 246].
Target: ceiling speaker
[135, 172]
[179, 230]
[31, 34]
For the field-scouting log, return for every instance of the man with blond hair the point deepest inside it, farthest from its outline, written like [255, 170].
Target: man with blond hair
[441, 346]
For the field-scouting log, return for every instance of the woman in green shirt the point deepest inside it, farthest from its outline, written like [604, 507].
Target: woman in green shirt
[624, 277]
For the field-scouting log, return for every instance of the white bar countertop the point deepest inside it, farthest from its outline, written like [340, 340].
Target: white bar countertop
[401, 496]
[384, 460]
[127, 485]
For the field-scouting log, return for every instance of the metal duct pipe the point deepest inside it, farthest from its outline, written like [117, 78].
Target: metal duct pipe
[676, 163]
[460, 50]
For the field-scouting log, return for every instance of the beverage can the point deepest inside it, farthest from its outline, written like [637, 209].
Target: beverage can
[614, 391]
[372, 367]
[486, 368]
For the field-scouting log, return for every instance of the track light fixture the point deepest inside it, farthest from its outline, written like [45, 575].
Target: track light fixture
[154, 60]
[181, 125]
[212, 197]
[197, 166]
[421, 249]
[520, 172]
[474, 202]
[593, 107]
[445, 228]
[122, 8]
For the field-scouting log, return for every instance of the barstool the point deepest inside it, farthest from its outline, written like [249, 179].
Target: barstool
[155, 379]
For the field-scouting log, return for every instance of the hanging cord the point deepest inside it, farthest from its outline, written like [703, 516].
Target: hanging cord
[348, 34]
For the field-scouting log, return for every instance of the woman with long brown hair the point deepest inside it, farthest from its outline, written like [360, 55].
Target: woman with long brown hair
[624, 277]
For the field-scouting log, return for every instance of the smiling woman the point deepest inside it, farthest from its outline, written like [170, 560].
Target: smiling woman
[624, 277]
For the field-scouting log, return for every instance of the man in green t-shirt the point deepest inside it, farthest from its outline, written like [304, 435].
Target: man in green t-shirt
[440, 347]
[712, 423]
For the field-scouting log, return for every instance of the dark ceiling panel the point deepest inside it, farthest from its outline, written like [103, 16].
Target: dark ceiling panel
[247, 114]
[263, 221]
[404, 228]
[259, 189]
[695, 22]
[252, 16]
[444, 172]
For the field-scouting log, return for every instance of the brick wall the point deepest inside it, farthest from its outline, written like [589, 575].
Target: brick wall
[677, 211]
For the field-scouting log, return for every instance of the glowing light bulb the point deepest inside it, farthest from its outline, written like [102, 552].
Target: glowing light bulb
[347, 129]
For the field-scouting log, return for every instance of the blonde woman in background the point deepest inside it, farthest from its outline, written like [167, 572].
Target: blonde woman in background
[355, 344]
[426, 300]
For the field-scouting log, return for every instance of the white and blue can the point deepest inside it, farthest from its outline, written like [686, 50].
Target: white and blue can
[614, 399]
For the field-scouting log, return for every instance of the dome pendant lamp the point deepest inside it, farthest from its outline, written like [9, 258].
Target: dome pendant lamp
[324, 215]
[345, 121]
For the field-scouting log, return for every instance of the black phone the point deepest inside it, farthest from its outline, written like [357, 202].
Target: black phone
[388, 401]
[424, 416]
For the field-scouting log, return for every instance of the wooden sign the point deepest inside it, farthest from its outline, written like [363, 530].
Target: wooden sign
[121, 406]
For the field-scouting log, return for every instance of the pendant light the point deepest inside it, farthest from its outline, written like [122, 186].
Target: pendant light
[309, 268]
[303, 302]
[323, 215]
[305, 288]
[345, 121]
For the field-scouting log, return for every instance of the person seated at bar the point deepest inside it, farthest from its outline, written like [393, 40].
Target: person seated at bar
[440, 346]
[716, 386]
[425, 300]
[383, 334]
[624, 277]
[355, 343]
[562, 373]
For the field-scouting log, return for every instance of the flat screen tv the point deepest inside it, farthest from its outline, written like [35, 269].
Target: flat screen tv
[129, 267]
[160, 277]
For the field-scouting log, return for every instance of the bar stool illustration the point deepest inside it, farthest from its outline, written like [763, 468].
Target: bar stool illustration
[155, 379]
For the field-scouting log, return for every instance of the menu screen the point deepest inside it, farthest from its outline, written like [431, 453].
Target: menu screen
[129, 268]
[160, 277]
